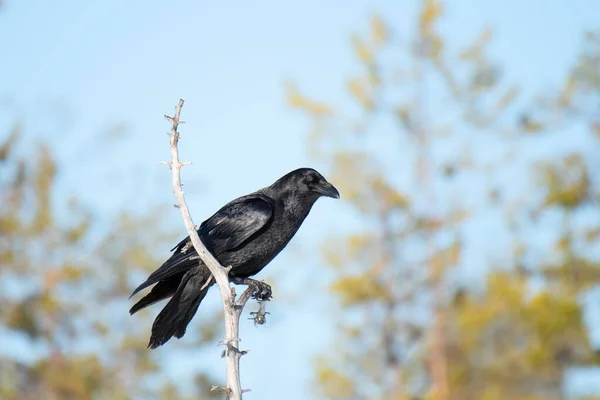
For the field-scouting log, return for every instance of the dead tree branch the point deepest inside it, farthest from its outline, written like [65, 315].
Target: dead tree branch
[232, 309]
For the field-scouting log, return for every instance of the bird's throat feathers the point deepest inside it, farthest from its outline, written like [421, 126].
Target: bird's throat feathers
[297, 210]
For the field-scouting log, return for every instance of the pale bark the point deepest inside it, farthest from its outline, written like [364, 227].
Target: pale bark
[232, 309]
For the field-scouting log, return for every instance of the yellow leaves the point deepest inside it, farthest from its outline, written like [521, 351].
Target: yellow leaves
[333, 256]
[508, 335]
[432, 224]
[555, 315]
[435, 47]
[506, 288]
[586, 72]
[430, 41]
[355, 165]
[8, 145]
[341, 252]
[592, 235]
[22, 317]
[566, 95]
[485, 75]
[484, 79]
[79, 229]
[133, 344]
[404, 114]
[564, 244]
[360, 88]
[446, 257]
[73, 273]
[72, 378]
[334, 384]
[12, 194]
[7, 256]
[137, 254]
[506, 99]
[529, 125]
[137, 347]
[354, 332]
[556, 321]
[596, 129]
[364, 185]
[453, 253]
[9, 223]
[430, 13]
[48, 303]
[504, 293]
[475, 51]
[574, 274]
[567, 183]
[374, 77]
[361, 91]
[358, 289]
[357, 243]
[77, 233]
[43, 184]
[362, 50]
[392, 198]
[168, 391]
[101, 328]
[493, 392]
[314, 108]
[379, 30]
[365, 49]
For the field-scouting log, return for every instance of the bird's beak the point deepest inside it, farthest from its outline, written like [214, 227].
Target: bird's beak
[327, 189]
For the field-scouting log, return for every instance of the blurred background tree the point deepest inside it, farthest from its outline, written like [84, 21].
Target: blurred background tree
[64, 321]
[437, 149]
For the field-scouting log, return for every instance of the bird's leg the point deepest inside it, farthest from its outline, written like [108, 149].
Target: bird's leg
[260, 290]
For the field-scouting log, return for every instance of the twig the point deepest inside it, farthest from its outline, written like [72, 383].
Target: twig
[231, 309]
[260, 316]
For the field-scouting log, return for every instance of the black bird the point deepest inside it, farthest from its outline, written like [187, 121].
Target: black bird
[246, 234]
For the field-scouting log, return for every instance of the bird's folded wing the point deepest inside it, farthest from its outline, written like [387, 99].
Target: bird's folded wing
[229, 228]
[236, 223]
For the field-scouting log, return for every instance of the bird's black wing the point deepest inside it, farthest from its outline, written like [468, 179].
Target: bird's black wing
[237, 223]
[229, 228]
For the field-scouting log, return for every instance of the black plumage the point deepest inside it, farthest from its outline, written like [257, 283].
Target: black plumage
[246, 234]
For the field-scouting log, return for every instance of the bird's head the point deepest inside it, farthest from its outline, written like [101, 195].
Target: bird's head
[307, 182]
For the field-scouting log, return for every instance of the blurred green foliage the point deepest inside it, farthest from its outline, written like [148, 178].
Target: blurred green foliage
[411, 325]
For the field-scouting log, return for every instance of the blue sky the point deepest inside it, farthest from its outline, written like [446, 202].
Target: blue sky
[75, 70]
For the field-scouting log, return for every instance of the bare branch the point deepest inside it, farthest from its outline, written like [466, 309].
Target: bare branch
[208, 281]
[226, 390]
[241, 302]
[260, 316]
[231, 309]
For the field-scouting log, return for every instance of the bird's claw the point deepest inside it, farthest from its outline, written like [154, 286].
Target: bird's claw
[261, 291]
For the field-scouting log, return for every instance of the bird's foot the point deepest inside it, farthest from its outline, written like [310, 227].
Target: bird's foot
[260, 290]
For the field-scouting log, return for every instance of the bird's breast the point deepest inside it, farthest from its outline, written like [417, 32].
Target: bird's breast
[251, 259]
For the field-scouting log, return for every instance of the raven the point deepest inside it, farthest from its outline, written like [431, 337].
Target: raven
[246, 234]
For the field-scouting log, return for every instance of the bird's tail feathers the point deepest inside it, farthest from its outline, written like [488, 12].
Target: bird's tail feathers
[162, 290]
[179, 311]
